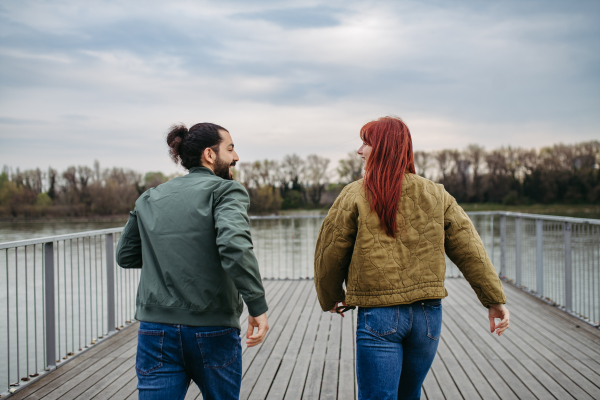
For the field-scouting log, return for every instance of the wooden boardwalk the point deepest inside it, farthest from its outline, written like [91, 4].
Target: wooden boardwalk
[308, 354]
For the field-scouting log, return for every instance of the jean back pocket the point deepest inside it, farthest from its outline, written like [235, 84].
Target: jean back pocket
[149, 351]
[433, 316]
[219, 348]
[382, 321]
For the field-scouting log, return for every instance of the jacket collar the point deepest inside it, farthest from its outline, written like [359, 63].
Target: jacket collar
[201, 170]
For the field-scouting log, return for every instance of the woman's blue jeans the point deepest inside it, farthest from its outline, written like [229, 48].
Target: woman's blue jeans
[395, 347]
[170, 356]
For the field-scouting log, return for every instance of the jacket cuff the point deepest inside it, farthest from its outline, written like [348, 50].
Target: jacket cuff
[257, 306]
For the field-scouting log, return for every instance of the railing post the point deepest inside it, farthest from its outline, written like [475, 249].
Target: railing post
[492, 235]
[539, 234]
[50, 306]
[503, 245]
[518, 253]
[110, 282]
[568, 270]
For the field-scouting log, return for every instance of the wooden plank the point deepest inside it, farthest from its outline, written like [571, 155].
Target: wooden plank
[563, 321]
[193, 391]
[329, 384]
[89, 389]
[86, 369]
[249, 353]
[312, 387]
[504, 383]
[459, 377]
[431, 388]
[544, 356]
[489, 346]
[92, 375]
[564, 332]
[543, 372]
[347, 356]
[298, 379]
[273, 361]
[310, 354]
[280, 383]
[280, 318]
[110, 391]
[444, 380]
[82, 361]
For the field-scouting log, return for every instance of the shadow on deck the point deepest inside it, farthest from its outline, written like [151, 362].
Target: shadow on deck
[309, 354]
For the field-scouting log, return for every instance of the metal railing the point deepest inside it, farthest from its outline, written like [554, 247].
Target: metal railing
[554, 258]
[64, 293]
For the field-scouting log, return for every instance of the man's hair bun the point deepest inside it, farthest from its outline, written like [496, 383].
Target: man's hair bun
[175, 137]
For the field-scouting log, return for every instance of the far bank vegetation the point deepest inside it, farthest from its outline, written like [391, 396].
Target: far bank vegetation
[561, 174]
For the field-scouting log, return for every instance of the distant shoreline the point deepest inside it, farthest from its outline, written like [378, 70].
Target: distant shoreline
[565, 210]
[109, 218]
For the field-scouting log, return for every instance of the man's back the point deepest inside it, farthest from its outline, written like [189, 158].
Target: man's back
[191, 238]
[195, 245]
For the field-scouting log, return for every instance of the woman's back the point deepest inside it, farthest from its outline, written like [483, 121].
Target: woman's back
[381, 270]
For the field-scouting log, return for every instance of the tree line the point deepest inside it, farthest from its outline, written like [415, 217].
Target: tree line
[76, 192]
[509, 175]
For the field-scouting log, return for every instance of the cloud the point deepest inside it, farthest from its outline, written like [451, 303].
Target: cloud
[106, 79]
[297, 17]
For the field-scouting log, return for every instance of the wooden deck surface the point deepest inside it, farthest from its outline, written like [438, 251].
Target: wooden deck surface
[308, 354]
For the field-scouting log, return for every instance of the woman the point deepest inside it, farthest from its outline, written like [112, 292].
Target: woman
[385, 237]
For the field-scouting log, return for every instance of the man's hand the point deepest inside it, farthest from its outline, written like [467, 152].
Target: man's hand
[343, 303]
[499, 311]
[259, 322]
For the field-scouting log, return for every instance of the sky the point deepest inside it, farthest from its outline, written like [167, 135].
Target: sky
[104, 80]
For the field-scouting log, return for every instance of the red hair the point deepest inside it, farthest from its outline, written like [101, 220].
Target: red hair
[391, 157]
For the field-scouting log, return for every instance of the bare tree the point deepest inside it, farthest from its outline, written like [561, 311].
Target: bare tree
[443, 159]
[475, 155]
[293, 167]
[423, 162]
[350, 168]
[316, 176]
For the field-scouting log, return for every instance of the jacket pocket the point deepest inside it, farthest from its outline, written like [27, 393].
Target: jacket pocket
[433, 316]
[149, 351]
[382, 321]
[219, 348]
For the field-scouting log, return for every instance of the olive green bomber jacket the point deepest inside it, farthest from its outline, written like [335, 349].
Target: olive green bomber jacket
[191, 238]
[379, 270]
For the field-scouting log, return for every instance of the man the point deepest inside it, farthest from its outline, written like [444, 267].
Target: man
[191, 237]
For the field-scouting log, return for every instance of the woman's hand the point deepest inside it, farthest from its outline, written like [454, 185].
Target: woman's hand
[499, 311]
[338, 304]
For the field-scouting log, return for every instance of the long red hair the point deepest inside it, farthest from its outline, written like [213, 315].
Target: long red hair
[391, 156]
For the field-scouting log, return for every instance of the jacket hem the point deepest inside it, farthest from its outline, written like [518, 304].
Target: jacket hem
[185, 316]
[394, 297]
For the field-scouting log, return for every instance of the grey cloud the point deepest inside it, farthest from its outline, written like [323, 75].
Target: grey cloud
[297, 18]
[19, 121]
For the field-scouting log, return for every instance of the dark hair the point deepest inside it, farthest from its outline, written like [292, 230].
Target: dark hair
[187, 145]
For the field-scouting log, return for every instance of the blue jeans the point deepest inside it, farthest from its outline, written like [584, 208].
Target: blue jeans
[170, 356]
[395, 347]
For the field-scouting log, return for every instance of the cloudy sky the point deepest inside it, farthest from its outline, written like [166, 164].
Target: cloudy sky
[103, 80]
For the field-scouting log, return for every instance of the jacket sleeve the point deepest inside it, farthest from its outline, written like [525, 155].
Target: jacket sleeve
[129, 248]
[234, 242]
[465, 248]
[333, 252]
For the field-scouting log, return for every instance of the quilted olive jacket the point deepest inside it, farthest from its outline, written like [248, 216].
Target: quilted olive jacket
[379, 270]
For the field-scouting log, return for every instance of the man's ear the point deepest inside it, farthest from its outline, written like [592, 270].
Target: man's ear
[207, 156]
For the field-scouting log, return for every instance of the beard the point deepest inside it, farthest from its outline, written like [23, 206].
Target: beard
[222, 169]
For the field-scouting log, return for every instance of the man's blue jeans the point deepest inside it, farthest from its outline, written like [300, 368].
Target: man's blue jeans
[170, 356]
[395, 347]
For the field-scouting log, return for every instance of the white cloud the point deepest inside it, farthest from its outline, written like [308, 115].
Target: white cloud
[104, 80]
